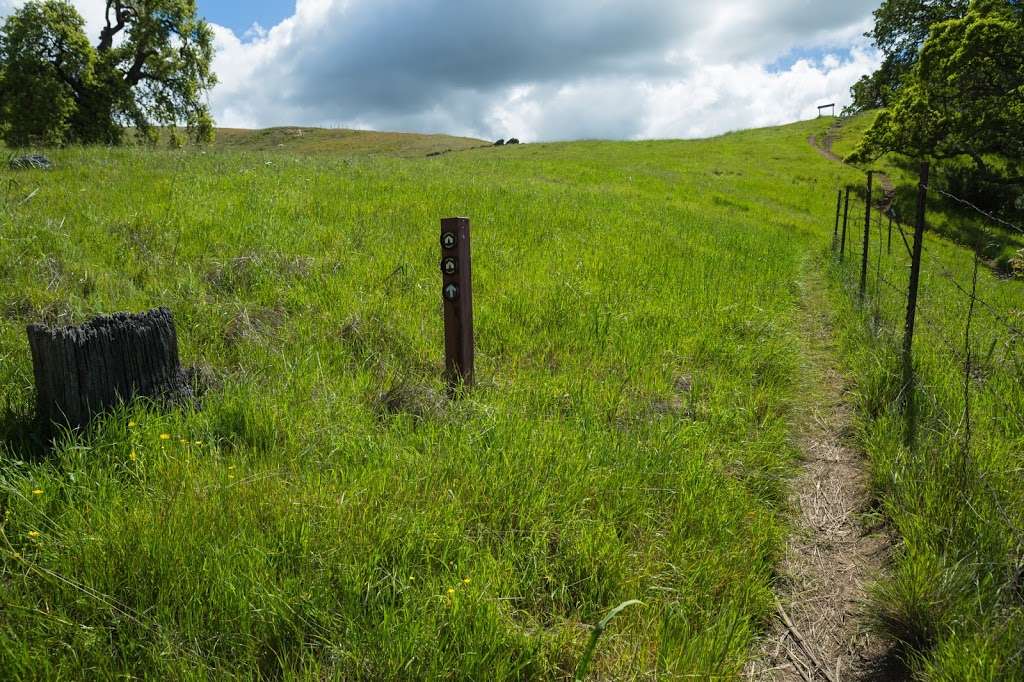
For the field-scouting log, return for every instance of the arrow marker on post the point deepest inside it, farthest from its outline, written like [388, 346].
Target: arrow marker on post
[457, 292]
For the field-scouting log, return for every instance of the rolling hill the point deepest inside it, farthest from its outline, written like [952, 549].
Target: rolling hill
[658, 324]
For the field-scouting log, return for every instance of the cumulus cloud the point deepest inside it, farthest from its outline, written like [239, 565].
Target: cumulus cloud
[540, 70]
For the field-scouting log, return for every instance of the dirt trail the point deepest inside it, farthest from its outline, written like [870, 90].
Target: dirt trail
[824, 147]
[830, 559]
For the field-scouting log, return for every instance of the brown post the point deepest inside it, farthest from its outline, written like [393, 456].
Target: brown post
[457, 292]
[839, 209]
[890, 230]
[846, 219]
[915, 278]
[867, 237]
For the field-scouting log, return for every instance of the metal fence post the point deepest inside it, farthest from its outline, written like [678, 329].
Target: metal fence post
[839, 209]
[867, 239]
[846, 217]
[915, 279]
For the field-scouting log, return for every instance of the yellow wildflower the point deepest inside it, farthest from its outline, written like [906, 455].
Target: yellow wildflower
[33, 534]
[451, 591]
[37, 491]
[198, 442]
[465, 581]
[132, 425]
[133, 456]
[165, 436]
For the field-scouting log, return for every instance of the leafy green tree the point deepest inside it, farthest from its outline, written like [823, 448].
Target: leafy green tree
[964, 99]
[46, 64]
[154, 59]
[150, 67]
[901, 27]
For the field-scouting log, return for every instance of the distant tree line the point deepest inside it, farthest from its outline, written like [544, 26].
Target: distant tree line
[952, 89]
[149, 67]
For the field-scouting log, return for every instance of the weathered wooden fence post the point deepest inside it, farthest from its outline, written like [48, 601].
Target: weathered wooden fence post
[915, 278]
[457, 292]
[81, 371]
[867, 239]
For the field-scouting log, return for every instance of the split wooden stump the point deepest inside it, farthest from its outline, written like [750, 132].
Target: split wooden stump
[82, 371]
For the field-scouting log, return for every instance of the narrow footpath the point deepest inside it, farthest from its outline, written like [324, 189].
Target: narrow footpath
[824, 147]
[831, 559]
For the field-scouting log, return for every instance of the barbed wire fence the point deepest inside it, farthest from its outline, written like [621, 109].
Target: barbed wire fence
[987, 347]
[916, 290]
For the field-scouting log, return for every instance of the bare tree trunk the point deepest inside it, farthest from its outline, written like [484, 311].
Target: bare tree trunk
[81, 371]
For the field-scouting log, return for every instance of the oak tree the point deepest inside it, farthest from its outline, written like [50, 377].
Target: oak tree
[150, 67]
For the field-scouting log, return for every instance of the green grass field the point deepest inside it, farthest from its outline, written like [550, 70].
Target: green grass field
[329, 514]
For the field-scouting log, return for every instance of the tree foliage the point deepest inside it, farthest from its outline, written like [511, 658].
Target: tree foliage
[46, 62]
[965, 94]
[901, 28]
[150, 67]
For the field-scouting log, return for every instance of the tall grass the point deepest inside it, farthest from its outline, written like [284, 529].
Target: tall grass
[953, 603]
[327, 512]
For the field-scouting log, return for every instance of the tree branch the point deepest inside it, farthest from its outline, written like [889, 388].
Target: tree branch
[135, 73]
[122, 14]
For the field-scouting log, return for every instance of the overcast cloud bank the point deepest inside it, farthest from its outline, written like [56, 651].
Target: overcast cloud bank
[623, 69]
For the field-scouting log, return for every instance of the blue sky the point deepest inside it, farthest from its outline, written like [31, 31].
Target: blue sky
[239, 15]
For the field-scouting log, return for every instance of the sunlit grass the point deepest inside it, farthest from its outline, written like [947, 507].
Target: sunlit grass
[328, 512]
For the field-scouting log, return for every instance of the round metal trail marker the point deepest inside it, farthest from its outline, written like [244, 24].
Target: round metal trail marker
[449, 240]
[451, 292]
[450, 266]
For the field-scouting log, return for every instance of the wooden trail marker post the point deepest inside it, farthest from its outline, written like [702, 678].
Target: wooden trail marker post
[457, 293]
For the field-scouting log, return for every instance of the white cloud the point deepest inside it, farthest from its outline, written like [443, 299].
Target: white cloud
[539, 70]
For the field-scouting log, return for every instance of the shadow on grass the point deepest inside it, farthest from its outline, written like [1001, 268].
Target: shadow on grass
[24, 437]
[960, 224]
[889, 667]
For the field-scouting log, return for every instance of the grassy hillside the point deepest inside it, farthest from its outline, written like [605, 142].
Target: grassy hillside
[328, 513]
[337, 141]
[954, 495]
